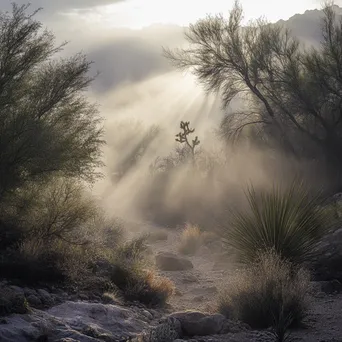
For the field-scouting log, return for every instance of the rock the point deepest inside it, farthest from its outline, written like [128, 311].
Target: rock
[29, 292]
[172, 262]
[167, 330]
[17, 289]
[71, 322]
[34, 301]
[83, 296]
[329, 287]
[12, 302]
[327, 265]
[234, 327]
[147, 314]
[195, 323]
[45, 297]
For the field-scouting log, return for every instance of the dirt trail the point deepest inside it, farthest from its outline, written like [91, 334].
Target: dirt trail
[198, 289]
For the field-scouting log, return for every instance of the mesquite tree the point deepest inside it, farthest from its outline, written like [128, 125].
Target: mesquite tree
[294, 94]
[47, 125]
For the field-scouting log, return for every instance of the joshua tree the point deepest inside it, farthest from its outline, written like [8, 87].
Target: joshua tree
[182, 137]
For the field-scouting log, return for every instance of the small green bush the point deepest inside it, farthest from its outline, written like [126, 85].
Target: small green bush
[289, 221]
[270, 293]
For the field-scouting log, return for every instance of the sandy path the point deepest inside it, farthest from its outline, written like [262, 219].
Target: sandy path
[198, 289]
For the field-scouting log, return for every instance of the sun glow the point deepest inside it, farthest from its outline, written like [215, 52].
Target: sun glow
[141, 13]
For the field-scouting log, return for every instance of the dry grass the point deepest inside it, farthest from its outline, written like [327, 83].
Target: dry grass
[135, 277]
[112, 297]
[150, 289]
[268, 294]
[190, 240]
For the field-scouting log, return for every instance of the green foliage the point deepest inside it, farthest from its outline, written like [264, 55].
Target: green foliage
[293, 94]
[269, 293]
[46, 123]
[59, 233]
[56, 209]
[287, 220]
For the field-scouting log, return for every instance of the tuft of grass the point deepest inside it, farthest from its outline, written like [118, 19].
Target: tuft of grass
[133, 275]
[150, 289]
[190, 240]
[270, 293]
[289, 221]
[112, 297]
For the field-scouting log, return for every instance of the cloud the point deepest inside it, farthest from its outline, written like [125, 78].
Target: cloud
[126, 60]
[60, 5]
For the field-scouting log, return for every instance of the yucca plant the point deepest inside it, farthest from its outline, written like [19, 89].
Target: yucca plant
[289, 221]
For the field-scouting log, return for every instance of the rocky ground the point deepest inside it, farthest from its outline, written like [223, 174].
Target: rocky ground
[61, 317]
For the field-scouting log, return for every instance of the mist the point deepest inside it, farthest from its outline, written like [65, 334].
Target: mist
[143, 99]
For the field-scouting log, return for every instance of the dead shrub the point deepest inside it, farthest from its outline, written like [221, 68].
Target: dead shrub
[133, 274]
[190, 240]
[270, 293]
[149, 289]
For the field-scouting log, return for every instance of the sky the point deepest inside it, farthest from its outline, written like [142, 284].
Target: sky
[140, 13]
[124, 38]
[137, 14]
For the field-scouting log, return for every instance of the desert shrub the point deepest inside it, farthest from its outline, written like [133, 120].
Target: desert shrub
[133, 274]
[54, 228]
[129, 262]
[190, 240]
[112, 297]
[58, 209]
[111, 231]
[50, 126]
[35, 261]
[149, 289]
[32, 269]
[287, 220]
[269, 293]
[12, 302]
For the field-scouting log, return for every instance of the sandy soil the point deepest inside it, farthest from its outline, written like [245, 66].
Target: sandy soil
[198, 289]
